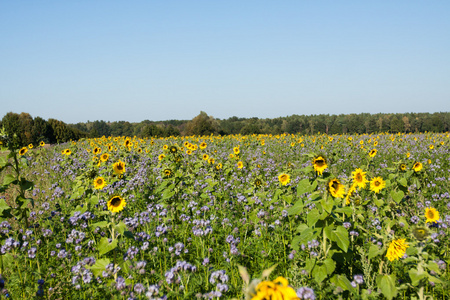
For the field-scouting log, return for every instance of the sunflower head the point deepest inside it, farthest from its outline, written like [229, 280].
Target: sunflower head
[67, 152]
[432, 215]
[203, 145]
[417, 167]
[23, 150]
[320, 164]
[161, 156]
[336, 188]
[359, 178]
[236, 150]
[116, 204]
[119, 167]
[402, 167]
[99, 183]
[168, 173]
[104, 157]
[420, 233]
[240, 164]
[173, 149]
[42, 144]
[377, 184]
[284, 178]
[30, 146]
[258, 182]
[397, 249]
[373, 152]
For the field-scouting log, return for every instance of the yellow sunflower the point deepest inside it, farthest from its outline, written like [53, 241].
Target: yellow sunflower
[104, 157]
[165, 147]
[236, 150]
[203, 145]
[373, 152]
[168, 173]
[30, 146]
[431, 147]
[377, 184]
[417, 167]
[211, 161]
[359, 178]
[23, 150]
[97, 150]
[119, 167]
[42, 144]
[350, 193]
[173, 149]
[161, 156]
[284, 178]
[336, 188]
[116, 204]
[402, 167]
[240, 164]
[99, 183]
[67, 152]
[218, 166]
[277, 289]
[431, 214]
[397, 249]
[205, 156]
[319, 164]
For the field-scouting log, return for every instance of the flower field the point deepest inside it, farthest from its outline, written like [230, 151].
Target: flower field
[222, 217]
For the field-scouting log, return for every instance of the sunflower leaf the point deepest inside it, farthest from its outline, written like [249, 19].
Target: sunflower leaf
[387, 285]
[341, 238]
[99, 266]
[104, 246]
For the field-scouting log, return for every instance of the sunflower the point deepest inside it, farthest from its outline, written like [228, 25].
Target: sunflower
[320, 164]
[350, 193]
[432, 215]
[119, 167]
[42, 144]
[203, 145]
[30, 146]
[377, 184]
[231, 155]
[97, 150]
[165, 147]
[168, 173]
[375, 143]
[397, 249]
[99, 183]
[236, 150]
[359, 178]
[116, 204]
[205, 156]
[417, 167]
[240, 164]
[336, 188]
[104, 157]
[402, 167]
[408, 155]
[188, 152]
[373, 152]
[211, 161]
[218, 166]
[431, 147]
[173, 149]
[277, 289]
[161, 156]
[284, 178]
[23, 150]
[67, 152]
[258, 182]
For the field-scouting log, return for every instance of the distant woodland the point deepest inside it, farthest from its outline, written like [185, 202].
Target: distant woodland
[28, 130]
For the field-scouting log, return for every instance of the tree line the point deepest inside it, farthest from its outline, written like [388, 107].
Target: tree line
[31, 131]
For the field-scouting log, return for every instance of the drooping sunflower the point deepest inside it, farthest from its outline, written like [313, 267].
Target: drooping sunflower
[284, 178]
[104, 157]
[99, 183]
[119, 167]
[432, 215]
[373, 152]
[240, 164]
[420, 233]
[116, 204]
[23, 150]
[417, 167]
[320, 164]
[377, 184]
[277, 289]
[397, 249]
[359, 178]
[336, 188]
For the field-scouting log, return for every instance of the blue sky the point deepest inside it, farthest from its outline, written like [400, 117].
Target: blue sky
[158, 60]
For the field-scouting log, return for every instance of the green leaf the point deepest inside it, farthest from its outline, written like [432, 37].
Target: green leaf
[129, 235]
[327, 204]
[9, 178]
[387, 285]
[101, 224]
[343, 282]
[99, 266]
[313, 217]
[416, 276]
[403, 181]
[397, 196]
[346, 210]
[120, 227]
[320, 273]
[433, 266]
[26, 185]
[374, 251]
[104, 246]
[341, 238]
[296, 209]
[330, 265]
[93, 200]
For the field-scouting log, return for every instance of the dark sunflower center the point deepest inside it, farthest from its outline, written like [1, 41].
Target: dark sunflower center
[359, 177]
[283, 177]
[115, 201]
[335, 185]
[119, 167]
[377, 183]
[430, 215]
[320, 162]
[99, 181]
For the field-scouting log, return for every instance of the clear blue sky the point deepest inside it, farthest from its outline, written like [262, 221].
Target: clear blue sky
[158, 60]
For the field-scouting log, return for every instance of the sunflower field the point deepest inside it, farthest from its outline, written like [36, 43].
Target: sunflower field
[227, 217]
